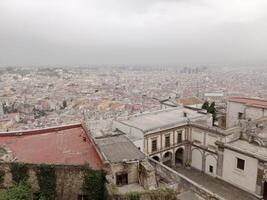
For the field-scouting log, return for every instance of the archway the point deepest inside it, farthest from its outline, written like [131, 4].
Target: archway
[179, 156]
[196, 159]
[167, 159]
[156, 158]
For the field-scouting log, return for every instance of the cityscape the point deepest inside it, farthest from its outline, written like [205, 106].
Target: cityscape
[41, 97]
[133, 100]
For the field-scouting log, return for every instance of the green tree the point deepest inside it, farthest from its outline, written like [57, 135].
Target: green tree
[212, 110]
[205, 105]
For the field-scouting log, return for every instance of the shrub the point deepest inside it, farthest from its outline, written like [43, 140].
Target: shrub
[2, 177]
[133, 196]
[94, 185]
[21, 191]
[19, 172]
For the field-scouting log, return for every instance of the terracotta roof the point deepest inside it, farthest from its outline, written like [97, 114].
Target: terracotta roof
[189, 101]
[67, 145]
[259, 103]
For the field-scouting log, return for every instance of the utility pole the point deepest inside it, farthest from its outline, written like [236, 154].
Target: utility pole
[197, 89]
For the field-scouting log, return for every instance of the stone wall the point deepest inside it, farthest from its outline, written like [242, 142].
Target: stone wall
[146, 197]
[68, 183]
[131, 168]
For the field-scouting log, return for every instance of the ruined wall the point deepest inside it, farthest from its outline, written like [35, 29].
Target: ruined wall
[130, 168]
[69, 180]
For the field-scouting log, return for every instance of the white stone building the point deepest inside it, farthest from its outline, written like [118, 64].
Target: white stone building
[184, 137]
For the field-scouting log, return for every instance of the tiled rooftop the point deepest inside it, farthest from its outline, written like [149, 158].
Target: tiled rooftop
[67, 145]
[250, 101]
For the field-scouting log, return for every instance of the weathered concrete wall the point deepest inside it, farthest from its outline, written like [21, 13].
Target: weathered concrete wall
[233, 109]
[130, 168]
[243, 178]
[184, 184]
[69, 180]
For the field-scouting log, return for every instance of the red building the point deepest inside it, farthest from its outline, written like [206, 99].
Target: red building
[64, 145]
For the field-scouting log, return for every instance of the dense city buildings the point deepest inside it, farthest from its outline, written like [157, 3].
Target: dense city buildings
[147, 131]
[37, 98]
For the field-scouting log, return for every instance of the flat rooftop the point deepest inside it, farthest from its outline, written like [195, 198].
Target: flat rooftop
[65, 145]
[162, 119]
[260, 103]
[119, 148]
[249, 148]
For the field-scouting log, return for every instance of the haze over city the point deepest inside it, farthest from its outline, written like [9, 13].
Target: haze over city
[133, 100]
[134, 32]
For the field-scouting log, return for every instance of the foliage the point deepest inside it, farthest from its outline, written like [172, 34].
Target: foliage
[46, 176]
[2, 177]
[205, 105]
[158, 194]
[94, 185]
[210, 109]
[21, 191]
[133, 196]
[19, 171]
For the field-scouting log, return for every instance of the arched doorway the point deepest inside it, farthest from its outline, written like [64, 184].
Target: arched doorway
[156, 158]
[167, 159]
[179, 156]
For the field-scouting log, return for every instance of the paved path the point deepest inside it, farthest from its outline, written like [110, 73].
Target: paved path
[216, 185]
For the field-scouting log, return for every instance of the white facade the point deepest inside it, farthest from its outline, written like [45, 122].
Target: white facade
[237, 111]
[233, 109]
[196, 158]
[211, 164]
[243, 178]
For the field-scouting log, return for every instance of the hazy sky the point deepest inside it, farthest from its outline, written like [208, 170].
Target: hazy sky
[170, 32]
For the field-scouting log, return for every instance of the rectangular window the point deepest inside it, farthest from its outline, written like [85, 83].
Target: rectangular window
[154, 145]
[122, 178]
[167, 140]
[240, 115]
[240, 164]
[211, 169]
[179, 137]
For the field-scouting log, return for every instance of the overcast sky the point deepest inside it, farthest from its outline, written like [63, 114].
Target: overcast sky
[169, 32]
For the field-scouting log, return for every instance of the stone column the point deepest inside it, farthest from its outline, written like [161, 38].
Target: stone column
[187, 155]
[261, 178]
[173, 158]
[220, 159]
[203, 161]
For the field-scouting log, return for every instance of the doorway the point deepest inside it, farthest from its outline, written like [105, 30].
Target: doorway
[265, 191]
[122, 178]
